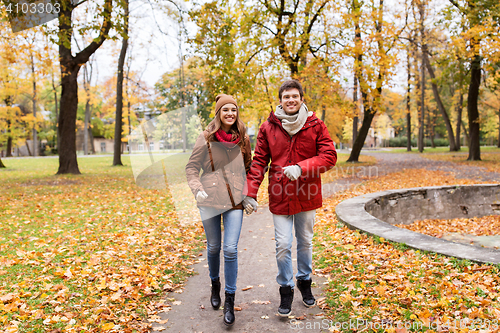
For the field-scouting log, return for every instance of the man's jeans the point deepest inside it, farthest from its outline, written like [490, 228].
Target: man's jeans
[232, 220]
[283, 224]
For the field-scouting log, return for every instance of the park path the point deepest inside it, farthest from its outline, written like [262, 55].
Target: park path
[257, 267]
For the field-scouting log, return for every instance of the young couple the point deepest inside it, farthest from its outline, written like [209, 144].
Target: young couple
[299, 148]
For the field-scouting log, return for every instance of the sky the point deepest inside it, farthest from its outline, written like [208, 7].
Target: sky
[153, 47]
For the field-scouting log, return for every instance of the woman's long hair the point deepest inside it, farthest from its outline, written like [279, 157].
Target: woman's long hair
[238, 129]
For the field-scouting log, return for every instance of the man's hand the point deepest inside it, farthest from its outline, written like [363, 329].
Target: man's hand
[293, 172]
[250, 205]
[201, 196]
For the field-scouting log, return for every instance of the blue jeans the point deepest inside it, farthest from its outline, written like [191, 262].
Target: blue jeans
[283, 225]
[232, 220]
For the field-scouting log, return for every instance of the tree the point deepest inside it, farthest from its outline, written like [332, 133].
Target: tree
[291, 29]
[119, 90]
[16, 125]
[379, 41]
[173, 93]
[70, 66]
[482, 22]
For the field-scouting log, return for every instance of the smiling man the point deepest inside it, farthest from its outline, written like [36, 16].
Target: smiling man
[299, 148]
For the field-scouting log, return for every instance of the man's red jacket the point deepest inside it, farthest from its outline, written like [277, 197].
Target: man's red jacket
[311, 148]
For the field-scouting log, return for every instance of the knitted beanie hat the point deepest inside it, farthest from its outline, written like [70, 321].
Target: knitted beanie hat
[222, 100]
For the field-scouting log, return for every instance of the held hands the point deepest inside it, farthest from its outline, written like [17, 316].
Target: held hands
[201, 196]
[293, 172]
[250, 205]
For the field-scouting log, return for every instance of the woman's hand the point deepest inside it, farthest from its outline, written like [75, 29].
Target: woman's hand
[250, 205]
[201, 196]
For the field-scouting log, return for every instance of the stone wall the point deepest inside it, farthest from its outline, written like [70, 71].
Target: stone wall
[446, 202]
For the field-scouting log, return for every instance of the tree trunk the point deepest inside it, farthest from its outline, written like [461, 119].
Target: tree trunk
[459, 120]
[421, 10]
[86, 128]
[1, 164]
[360, 139]
[67, 118]
[498, 143]
[119, 94]
[355, 118]
[128, 114]
[437, 97]
[472, 109]
[9, 141]
[28, 147]
[430, 126]
[92, 146]
[56, 106]
[420, 107]
[466, 133]
[35, 138]
[91, 134]
[408, 109]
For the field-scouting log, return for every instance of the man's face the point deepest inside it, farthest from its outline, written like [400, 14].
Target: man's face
[291, 101]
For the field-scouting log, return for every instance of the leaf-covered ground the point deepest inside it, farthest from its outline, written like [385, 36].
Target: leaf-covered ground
[477, 226]
[489, 160]
[385, 283]
[86, 253]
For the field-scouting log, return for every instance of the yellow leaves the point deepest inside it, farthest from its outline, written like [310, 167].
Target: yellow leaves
[108, 326]
[380, 290]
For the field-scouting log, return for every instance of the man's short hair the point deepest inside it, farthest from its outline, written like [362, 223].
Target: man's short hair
[291, 84]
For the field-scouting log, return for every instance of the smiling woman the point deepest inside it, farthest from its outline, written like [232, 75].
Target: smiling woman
[223, 152]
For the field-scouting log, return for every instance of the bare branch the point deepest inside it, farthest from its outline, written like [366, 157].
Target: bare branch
[84, 55]
[457, 5]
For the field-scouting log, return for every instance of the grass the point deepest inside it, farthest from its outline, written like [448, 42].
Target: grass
[437, 150]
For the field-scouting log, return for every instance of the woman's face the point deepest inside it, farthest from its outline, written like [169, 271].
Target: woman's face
[228, 114]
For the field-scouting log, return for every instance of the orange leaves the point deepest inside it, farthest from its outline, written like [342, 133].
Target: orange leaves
[477, 226]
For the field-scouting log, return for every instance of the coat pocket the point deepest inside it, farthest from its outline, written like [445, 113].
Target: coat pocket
[237, 186]
[209, 182]
[309, 188]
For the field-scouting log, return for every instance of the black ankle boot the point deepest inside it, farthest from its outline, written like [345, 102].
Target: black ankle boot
[286, 294]
[305, 289]
[229, 309]
[215, 297]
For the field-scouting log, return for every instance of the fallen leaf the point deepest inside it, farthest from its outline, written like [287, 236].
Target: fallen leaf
[158, 328]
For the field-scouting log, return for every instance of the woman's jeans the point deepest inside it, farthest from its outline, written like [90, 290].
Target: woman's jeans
[232, 220]
[283, 227]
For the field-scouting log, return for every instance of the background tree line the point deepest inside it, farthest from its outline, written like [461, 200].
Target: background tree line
[427, 68]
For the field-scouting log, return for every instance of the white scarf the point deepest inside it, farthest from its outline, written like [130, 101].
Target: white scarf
[293, 123]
